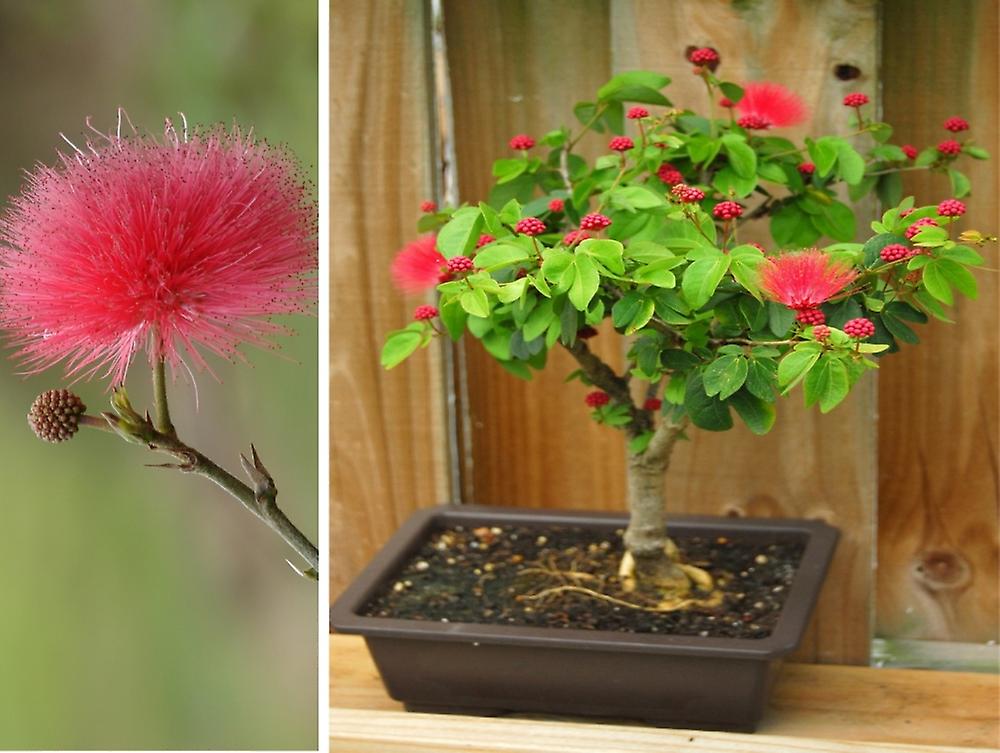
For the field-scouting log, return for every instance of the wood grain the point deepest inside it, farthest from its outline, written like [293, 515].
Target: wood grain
[533, 444]
[518, 67]
[938, 410]
[813, 708]
[388, 447]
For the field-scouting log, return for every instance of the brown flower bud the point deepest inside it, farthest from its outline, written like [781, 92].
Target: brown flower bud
[55, 415]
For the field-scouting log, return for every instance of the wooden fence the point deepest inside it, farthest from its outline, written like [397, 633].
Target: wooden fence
[906, 467]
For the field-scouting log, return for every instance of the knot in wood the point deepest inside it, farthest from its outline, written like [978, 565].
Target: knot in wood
[942, 570]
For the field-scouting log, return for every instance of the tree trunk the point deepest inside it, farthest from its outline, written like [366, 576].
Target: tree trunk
[646, 536]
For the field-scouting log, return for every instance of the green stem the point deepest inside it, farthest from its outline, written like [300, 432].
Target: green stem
[162, 411]
[614, 185]
[261, 502]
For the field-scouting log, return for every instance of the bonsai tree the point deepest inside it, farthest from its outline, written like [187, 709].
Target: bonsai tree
[134, 252]
[647, 241]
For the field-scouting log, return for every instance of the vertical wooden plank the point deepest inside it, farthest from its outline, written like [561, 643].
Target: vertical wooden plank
[388, 441]
[938, 412]
[518, 67]
[810, 465]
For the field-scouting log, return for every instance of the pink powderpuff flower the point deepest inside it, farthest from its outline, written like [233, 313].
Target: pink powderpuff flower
[418, 266]
[179, 246]
[765, 105]
[802, 281]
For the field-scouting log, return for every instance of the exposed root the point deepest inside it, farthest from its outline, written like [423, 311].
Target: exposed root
[695, 576]
[687, 587]
[669, 604]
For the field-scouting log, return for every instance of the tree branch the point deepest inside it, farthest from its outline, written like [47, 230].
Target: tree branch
[603, 376]
[664, 438]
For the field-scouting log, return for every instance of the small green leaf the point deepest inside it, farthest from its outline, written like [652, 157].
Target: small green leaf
[506, 170]
[475, 302]
[608, 252]
[626, 308]
[635, 86]
[937, 284]
[658, 273]
[850, 164]
[757, 414]
[779, 318]
[497, 344]
[823, 153]
[889, 189]
[642, 316]
[881, 132]
[512, 290]
[794, 366]
[731, 91]
[637, 445]
[453, 316]
[706, 412]
[585, 283]
[632, 198]
[725, 375]
[827, 384]
[745, 260]
[773, 172]
[836, 221]
[538, 320]
[401, 344]
[898, 328]
[957, 276]
[791, 227]
[491, 220]
[761, 379]
[511, 212]
[872, 250]
[742, 158]
[976, 152]
[702, 277]
[960, 185]
[676, 389]
[500, 255]
[963, 255]
[460, 235]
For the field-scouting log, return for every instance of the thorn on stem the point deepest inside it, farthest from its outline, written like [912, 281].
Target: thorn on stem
[308, 573]
[263, 485]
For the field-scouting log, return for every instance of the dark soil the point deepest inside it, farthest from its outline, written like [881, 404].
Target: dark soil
[488, 575]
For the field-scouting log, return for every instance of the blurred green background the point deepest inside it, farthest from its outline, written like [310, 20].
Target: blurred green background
[140, 608]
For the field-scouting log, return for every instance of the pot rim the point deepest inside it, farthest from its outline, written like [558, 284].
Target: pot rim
[785, 638]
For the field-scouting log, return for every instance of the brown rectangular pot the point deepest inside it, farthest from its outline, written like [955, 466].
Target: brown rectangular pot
[686, 681]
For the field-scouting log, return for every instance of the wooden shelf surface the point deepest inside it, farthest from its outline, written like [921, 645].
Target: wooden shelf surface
[814, 707]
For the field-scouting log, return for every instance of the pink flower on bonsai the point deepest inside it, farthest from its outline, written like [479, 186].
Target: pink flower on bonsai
[418, 266]
[804, 280]
[767, 105]
[177, 246]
